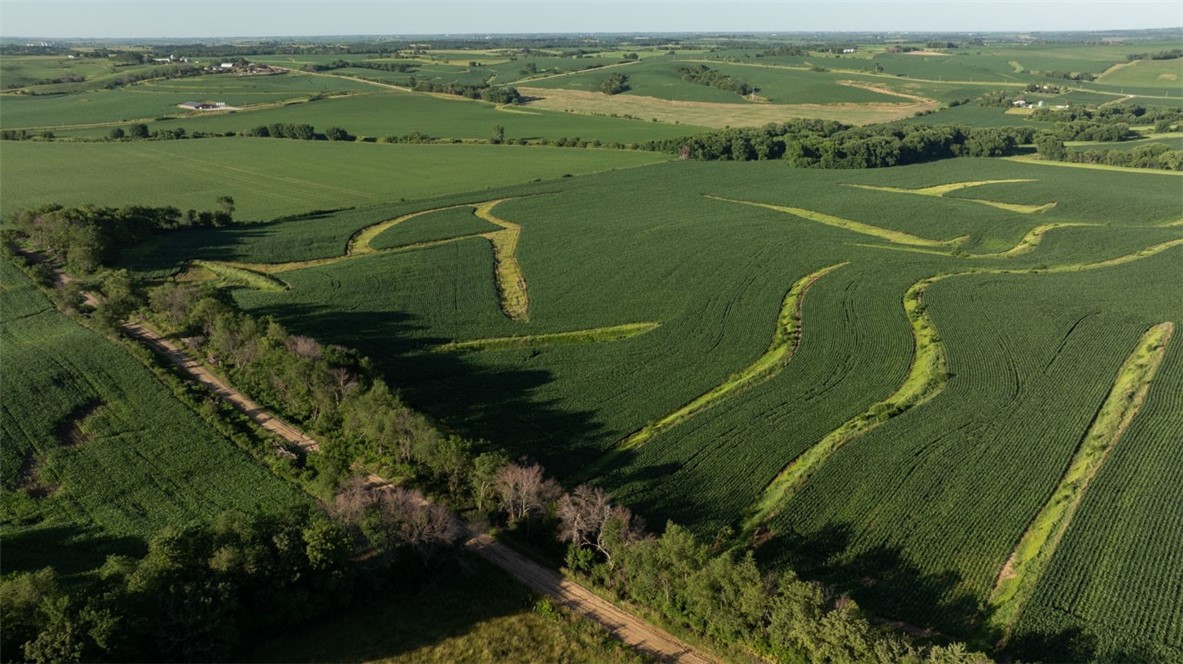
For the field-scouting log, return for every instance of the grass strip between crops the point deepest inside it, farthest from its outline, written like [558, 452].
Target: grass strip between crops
[926, 377]
[1035, 549]
[786, 338]
[362, 241]
[511, 282]
[243, 276]
[898, 237]
[939, 191]
[591, 335]
[1025, 159]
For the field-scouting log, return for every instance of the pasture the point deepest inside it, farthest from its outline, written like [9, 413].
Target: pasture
[98, 454]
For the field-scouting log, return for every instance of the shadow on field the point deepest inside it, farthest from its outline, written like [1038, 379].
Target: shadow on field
[167, 252]
[470, 398]
[69, 549]
[464, 615]
[883, 581]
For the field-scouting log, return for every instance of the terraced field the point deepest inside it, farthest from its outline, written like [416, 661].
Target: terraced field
[880, 377]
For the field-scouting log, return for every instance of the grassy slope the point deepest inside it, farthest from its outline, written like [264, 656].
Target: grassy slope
[125, 456]
[273, 177]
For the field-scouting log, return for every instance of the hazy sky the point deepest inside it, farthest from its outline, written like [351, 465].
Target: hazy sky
[205, 18]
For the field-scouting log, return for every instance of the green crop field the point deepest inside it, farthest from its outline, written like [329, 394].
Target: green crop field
[273, 177]
[660, 78]
[1034, 290]
[98, 453]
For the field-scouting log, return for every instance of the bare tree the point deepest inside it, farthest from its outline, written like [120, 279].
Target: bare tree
[588, 519]
[524, 492]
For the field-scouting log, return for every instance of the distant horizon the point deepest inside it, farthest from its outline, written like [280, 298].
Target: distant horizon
[174, 19]
[644, 33]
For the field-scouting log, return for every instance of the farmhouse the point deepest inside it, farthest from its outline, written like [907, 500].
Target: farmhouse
[203, 105]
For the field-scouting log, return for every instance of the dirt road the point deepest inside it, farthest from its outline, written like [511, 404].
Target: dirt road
[216, 385]
[626, 627]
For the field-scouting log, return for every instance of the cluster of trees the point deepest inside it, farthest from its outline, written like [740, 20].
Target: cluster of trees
[89, 237]
[796, 51]
[1132, 114]
[1088, 130]
[204, 592]
[140, 131]
[615, 84]
[1157, 55]
[1068, 75]
[823, 144]
[172, 71]
[704, 75]
[400, 67]
[25, 135]
[496, 94]
[724, 597]
[1154, 155]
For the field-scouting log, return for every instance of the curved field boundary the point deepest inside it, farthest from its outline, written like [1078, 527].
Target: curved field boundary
[511, 282]
[361, 242]
[939, 191]
[1098, 167]
[591, 335]
[898, 237]
[243, 276]
[786, 338]
[1019, 576]
[926, 378]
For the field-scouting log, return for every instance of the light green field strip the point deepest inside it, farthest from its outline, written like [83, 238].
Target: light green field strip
[361, 241]
[1177, 222]
[1019, 576]
[1030, 241]
[1097, 167]
[243, 276]
[785, 340]
[897, 237]
[926, 378]
[591, 335]
[940, 190]
[511, 282]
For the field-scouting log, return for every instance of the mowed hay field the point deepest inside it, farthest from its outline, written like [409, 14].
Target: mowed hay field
[274, 177]
[964, 396]
[98, 454]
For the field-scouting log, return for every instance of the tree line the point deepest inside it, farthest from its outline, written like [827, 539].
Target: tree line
[810, 143]
[704, 75]
[89, 237]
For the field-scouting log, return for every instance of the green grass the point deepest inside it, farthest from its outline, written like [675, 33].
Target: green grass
[273, 177]
[113, 455]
